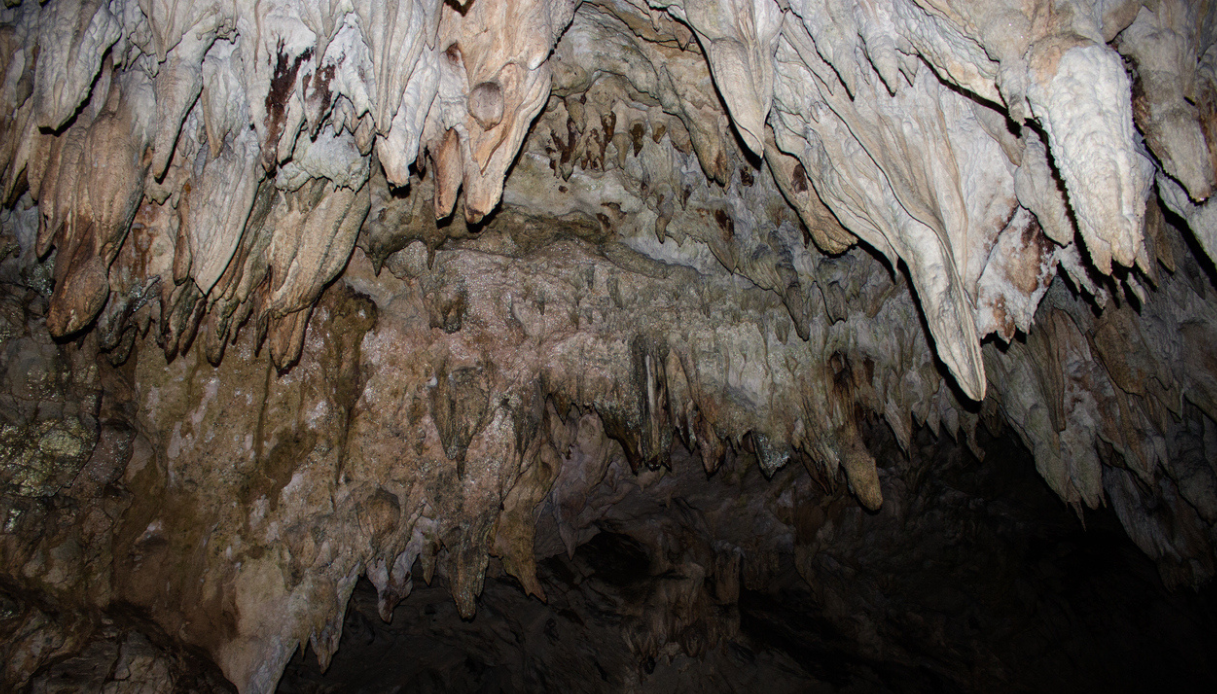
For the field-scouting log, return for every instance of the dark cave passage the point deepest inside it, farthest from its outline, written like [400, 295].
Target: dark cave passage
[974, 577]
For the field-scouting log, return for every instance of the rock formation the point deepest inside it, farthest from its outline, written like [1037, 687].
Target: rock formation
[300, 293]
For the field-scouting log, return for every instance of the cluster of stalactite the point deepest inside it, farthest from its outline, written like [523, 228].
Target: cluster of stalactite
[489, 246]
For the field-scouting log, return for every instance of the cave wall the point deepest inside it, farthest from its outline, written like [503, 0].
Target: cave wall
[300, 293]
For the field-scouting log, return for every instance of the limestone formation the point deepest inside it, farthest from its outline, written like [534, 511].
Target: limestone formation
[297, 293]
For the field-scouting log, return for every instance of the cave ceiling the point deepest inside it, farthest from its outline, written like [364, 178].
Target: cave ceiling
[301, 293]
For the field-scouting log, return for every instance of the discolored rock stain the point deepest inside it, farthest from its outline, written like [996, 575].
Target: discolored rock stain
[800, 178]
[281, 84]
[636, 134]
[725, 224]
[275, 469]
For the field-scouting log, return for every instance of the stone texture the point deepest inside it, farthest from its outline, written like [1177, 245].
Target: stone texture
[296, 293]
